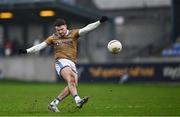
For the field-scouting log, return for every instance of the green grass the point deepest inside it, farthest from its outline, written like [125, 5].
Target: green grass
[30, 99]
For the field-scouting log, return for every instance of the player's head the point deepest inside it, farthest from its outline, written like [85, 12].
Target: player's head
[60, 26]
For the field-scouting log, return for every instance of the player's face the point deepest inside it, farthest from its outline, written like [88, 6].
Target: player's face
[61, 30]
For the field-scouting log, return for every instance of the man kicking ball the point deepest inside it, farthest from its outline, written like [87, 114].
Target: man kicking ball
[64, 42]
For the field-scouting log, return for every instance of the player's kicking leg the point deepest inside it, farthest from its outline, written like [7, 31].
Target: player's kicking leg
[82, 102]
[72, 80]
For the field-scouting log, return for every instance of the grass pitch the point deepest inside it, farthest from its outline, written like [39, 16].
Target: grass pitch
[31, 99]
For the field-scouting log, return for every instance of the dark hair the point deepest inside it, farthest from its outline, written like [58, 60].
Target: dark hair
[59, 22]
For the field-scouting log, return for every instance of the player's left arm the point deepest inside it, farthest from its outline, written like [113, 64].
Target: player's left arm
[92, 26]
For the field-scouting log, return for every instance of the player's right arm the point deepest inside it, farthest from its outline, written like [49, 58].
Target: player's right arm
[36, 48]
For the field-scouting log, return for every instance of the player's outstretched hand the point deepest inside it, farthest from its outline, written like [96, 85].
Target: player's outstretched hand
[22, 51]
[103, 19]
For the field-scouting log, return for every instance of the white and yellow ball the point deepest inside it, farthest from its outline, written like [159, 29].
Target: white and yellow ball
[114, 46]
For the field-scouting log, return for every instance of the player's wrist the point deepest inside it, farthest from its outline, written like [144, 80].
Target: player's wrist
[103, 19]
[22, 51]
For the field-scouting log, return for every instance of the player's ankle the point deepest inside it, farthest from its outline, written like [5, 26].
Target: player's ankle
[55, 102]
[76, 98]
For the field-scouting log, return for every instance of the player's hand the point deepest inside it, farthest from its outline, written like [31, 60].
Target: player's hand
[103, 19]
[22, 51]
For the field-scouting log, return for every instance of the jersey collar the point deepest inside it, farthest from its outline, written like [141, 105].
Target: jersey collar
[67, 32]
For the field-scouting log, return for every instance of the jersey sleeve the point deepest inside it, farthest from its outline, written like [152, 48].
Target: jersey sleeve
[76, 33]
[49, 40]
[89, 28]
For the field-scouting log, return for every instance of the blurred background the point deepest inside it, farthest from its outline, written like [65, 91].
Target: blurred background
[149, 31]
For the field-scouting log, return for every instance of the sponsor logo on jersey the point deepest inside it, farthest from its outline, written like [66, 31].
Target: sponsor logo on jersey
[63, 42]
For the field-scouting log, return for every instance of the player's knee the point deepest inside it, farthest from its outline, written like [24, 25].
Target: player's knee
[76, 84]
[71, 79]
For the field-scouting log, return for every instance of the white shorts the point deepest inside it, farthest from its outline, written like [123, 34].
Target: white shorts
[62, 63]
